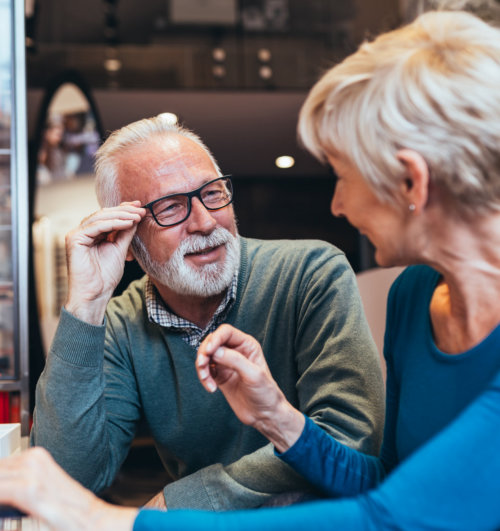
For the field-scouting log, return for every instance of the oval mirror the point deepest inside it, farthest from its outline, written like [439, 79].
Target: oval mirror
[67, 137]
[70, 137]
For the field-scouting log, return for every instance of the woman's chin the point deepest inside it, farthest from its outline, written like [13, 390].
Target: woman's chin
[383, 260]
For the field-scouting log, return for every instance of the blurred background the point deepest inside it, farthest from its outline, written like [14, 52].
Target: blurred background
[234, 71]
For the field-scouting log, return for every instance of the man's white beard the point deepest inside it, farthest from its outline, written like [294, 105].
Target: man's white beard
[204, 281]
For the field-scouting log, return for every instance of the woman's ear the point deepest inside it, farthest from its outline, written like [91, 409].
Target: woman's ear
[415, 185]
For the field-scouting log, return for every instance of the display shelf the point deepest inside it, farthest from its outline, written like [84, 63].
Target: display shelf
[14, 363]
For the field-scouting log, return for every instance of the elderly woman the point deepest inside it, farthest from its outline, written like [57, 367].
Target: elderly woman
[411, 125]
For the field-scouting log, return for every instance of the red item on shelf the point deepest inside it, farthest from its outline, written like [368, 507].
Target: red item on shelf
[4, 407]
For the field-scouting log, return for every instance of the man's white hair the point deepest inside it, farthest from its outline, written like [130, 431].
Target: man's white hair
[431, 86]
[107, 190]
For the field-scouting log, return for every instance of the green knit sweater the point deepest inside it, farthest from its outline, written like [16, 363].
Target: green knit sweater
[298, 298]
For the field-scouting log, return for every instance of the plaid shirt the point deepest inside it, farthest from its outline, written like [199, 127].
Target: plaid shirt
[159, 313]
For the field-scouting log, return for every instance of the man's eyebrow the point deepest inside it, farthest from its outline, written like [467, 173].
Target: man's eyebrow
[202, 183]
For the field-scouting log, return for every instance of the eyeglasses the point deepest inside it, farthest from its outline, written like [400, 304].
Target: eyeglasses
[174, 209]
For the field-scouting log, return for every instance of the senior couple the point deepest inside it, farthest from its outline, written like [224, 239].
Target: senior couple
[410, 124]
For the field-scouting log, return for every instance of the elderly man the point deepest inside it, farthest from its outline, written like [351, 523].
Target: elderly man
[113, 363]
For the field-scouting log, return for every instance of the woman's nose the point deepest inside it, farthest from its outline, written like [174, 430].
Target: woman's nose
[336, 205]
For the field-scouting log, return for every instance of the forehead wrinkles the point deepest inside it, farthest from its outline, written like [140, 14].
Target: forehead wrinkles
[178, 161]
[179, 153]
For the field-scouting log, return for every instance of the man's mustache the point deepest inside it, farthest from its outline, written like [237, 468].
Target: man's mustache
[197, 243]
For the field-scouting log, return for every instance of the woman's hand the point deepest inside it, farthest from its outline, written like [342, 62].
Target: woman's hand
[33, 483]
[233, 361]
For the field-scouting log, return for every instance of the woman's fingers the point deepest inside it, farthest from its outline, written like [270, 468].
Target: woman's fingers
[240, 345]
[214, 370]
[227, 335]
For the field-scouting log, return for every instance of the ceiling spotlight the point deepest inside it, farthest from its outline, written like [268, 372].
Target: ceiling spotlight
[285, 161]
[219, 54]
[219, 71]
[112, 65]
[265, 72]
[264, 55]
[170, 117]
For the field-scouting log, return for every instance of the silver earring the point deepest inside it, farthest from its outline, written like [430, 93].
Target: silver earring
[411, 207]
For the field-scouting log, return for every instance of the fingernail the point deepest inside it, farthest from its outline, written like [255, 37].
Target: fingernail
[211, 386]
[219, 353]
[203, 374]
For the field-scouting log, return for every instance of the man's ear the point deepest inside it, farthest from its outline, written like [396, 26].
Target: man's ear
[415, 185]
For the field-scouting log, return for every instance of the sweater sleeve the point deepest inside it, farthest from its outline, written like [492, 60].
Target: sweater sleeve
[335, 468]
[449, 483]
[74, 417]
[248, 482]
[340, 385]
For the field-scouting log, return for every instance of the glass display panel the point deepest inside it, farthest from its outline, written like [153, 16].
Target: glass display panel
[7, 307]
[5, 73]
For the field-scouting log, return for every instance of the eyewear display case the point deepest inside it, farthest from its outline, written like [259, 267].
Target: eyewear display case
[14, 241]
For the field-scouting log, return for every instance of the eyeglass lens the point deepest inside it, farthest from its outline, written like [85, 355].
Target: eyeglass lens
[175, 208]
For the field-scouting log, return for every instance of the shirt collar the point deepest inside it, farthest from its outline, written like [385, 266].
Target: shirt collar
[160, 313]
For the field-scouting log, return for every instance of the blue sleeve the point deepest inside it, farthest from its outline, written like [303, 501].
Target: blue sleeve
[449, 483]
[452, 481]
[331, 466]
[346, 516]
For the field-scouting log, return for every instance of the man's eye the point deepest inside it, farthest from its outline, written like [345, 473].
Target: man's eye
[169, 209]
[213, 195]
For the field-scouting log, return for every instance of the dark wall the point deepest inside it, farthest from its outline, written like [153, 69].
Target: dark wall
[292, 207]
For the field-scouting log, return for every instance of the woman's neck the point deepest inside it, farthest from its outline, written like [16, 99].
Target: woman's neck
[465, 306]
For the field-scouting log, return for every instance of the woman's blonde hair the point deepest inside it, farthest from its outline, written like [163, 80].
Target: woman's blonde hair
[432, 86]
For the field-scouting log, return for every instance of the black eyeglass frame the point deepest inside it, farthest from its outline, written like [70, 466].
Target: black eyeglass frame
[195, 193]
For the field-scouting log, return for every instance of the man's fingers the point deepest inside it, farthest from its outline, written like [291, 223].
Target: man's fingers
[124, 211]
[99, 230]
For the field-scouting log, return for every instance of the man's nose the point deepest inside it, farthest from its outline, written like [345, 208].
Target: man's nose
[200, 219]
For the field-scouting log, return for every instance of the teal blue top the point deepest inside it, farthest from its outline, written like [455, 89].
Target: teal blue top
[298, 298]
[426, 389]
